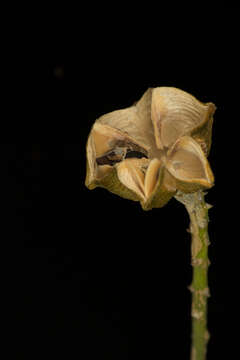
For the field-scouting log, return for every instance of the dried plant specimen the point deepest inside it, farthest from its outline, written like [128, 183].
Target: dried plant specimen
[152, 151]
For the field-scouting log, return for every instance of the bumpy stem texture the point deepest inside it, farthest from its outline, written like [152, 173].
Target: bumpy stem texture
[198, 213]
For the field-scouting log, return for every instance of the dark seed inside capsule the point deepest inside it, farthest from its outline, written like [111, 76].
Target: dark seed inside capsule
[113, 157]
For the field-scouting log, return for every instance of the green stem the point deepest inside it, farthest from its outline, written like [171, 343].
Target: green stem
[198, 213]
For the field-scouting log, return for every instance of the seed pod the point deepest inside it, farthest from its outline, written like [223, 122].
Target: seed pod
[152, 149]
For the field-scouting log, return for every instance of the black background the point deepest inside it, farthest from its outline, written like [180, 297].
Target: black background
[95, 276]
